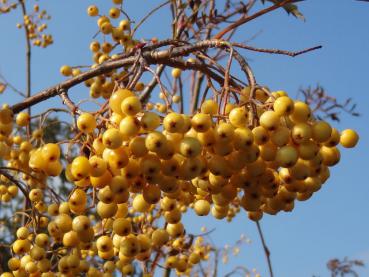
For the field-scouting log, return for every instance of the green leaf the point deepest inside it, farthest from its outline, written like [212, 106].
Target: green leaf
[293, 9]
[289, 8]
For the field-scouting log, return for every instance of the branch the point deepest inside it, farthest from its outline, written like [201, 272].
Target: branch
[148, 15]
[69, 103]
[276, 51]
[165, 57]
[150, 87]
[266, 249]
[7, 84]
[244, 20]
[28, 55]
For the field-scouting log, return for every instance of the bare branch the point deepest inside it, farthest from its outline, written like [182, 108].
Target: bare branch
[266, 249]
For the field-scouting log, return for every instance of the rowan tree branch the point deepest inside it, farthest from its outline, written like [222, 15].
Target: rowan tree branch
[28, 55]
[276, 51]
[266, 249]
[165, 57]
[244, 19]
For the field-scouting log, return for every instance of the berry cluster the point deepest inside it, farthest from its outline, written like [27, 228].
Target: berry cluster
[142, 167]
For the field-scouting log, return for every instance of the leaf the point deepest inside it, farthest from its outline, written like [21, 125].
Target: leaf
[2, 87]
[289, 8]
[292, 9]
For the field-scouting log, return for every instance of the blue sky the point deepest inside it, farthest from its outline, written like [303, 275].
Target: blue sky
[334, 223]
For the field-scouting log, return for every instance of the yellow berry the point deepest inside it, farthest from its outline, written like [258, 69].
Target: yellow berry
[112, 138]
[92, 10]
[270, 120]
[349, 138]
[283, 105]
[131, 105]
[86, 123]
[176, 73]
[80, 167]
[66, 70]
[23, 119]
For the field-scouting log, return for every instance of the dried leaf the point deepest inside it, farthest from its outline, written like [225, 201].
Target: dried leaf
[2, 87]
[289, 8]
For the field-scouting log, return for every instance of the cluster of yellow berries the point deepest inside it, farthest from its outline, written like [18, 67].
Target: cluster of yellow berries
[118, 33]
[142, 166]
[8, 191]
[34, 23]
[6, 7]
[210, 159]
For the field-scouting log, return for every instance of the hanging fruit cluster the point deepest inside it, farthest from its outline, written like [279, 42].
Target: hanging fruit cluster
[137, 167]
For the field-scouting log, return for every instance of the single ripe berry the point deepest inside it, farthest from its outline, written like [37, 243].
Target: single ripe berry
[129, 126]
[139, 204]
[173, 123]
[224, 132]
[301, 132]
[114, 12]
[155, 141]
[64, 222]
[92, 10]
[50, 152]
[80, 167]
[238, 117]
[122, 226]
[349, 138]
[202, 207]
[23, 119]
[286, 156]
[131, 105]
[283, 105]
[243, 138]
[98, 166]
[176, 99]
[66, 70]
[112, 138]
[176, 73]
[321, 131]
[201, 122]
[22, 233]
[190, 147]
[301, 112]
[104, 243]
[35, 195]
[95, 46]
[86, 123]
[209, 107]
[159, 237]
[150, 121]
[261, 135]
[270, 120]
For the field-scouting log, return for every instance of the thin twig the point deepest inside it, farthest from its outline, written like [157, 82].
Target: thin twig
[69, 103]
[276, 51]
[244, 19]
[147, 16]
[266, 249]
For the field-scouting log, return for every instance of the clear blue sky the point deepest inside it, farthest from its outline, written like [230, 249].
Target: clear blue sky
[334, 223]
